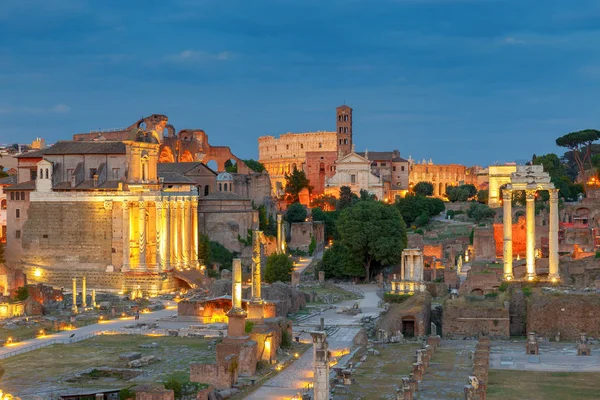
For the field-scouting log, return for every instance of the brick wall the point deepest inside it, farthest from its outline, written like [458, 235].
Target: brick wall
[463, 319]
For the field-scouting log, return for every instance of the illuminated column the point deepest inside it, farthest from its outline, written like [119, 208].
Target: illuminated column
[507, 225]
[194, 235]
[142, 234]
[185, 233]
[167, 233]
[94, 298]
[530, 224]
[74, 308]
[412, 267]
[256, 260]
[84, 292]
[402, 266]
[236, 290]
[280, 239]
[174, 241]
[553, 273]
[321, 366]
[126, 238]
[179, 233]
[160, 236]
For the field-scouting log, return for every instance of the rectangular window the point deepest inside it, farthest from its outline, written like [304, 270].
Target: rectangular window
[301, 145]
[320, 145]
[115, 174]
[18, 234]
[394, 169]
[287, 146]
[69, 174]
[353, 178]
[12, 195]
[33, 174]
[18, 213]
[93, 171]
[382, 164]
[402, 168]
[45, 236]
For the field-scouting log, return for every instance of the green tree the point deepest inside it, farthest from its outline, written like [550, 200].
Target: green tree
[461, 193]
[279, 268]
[329, 219]
[324, 202]
[204, 248]
[231, 167]
[3, 173]
[337, 262]
[483, 195]
[294, 184]
[347, 198]
[22, 293]
[312, 246]
[480, 212]
[580, 143]
[552, 165]
[365, 195]
[296, 212]
[266, 223]
[373, 232]
[254, 165]
[219, 254]
[423, 189]
[412, 207]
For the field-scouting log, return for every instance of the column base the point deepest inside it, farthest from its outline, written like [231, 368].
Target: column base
[554, 278]
[508, 277]
[530, 276]
[75, 309]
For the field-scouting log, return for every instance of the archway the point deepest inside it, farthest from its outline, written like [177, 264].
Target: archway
[187, 157]
[477, 292]
[408, 326]
[166, 155]
[231, 166]
[212, 164]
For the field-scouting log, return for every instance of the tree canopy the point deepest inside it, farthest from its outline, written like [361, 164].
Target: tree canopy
[347, 198]
[254, 165]
[580, 143]
[329, 219]
[337, 262]
[296, 213]
[294, 184]
[373, 232]
[231, 167]
[412, 207]
[480, 212]
[423, 189]
[279, 268]
[461, 193]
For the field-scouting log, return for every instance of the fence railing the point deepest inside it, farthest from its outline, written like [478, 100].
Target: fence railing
[35, 346]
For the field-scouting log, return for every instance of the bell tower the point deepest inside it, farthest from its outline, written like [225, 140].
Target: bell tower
[343, 127]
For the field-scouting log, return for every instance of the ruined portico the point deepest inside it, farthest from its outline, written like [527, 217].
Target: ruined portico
[531, 179]
[411, 273]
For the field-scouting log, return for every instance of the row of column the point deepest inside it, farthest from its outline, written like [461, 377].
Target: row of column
[553, 274]
[160, 235]
[83, 294]
[411, 265]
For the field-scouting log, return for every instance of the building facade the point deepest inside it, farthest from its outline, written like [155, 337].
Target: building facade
[440, 175]
[314, 152]
[355, 172]
[98, 209]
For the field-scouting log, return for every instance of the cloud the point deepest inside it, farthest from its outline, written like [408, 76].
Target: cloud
[189, 56]
[56, 109]
[513, 41]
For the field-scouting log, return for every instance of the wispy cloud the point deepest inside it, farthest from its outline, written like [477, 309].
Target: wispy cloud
[56, 109]
[190, 56]
[513, 41]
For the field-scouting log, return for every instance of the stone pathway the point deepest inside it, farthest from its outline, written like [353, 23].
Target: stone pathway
[84, 332]
[294, 378]
[448, 371]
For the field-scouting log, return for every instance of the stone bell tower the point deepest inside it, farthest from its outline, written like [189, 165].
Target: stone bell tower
[343, 127]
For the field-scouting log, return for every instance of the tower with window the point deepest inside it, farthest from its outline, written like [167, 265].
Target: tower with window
[343, 127]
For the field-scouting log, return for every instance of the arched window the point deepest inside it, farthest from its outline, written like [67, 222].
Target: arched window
[46, 173]
[22, 195]
[3, 204]
[220, 187]
[225, 187]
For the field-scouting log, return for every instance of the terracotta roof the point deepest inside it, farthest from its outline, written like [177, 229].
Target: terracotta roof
[182, 167]
[383, 155]
[175, 177]
[71, 147]
[223, 196]
[9, 180]
[32, 154]
[29, 185]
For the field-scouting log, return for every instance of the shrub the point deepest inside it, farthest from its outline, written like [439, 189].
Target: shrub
[212, 273]
[491, 295]
[127, 393]
[395, 298]
[286, 339]
[527, 291]
[249, 326]
[22, 293]
[296, 213]
[597, 254]
[419, 231]
[312, 246]
[279, 268]
[503, 287]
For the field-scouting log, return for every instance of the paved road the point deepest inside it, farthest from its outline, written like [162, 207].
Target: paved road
[79, 333]
[290, 382]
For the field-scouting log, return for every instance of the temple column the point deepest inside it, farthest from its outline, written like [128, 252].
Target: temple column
[530, 224]
[174, 228]
[142, 234]
[74, 307]
[412, 267]
[185, 233]
[160, 236]
[402, 266]
[321, 366]
[179, 233]
[166, 223]
[94, 298]
[126, 237]
[236, 290]
[256, 260]
[507, 253]
[553, 273]
[84, 292]
[280, 248]
[194, 235]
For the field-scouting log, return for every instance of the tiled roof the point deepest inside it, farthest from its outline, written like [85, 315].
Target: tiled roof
[32, 154]
[71, 147]
[9, 180]
[174, 177]
[382, 155]
[29, 185]
[182, 167]
[223, 196]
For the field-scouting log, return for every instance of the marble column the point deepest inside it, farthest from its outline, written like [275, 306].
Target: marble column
[167, 233]
[194, 235]
[256, 261]
[175, 236]
[530, 226]
[236, 290]
[142, 234]
[84, 292]
[280, 238]
[94, 298]
[321, 366]
[553, 273]
[507, 254]
[126, 236]
[185, 233]
[402, 267]
[160, 249]
[74, 307]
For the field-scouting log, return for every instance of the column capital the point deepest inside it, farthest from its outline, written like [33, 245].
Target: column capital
[141, 204]
[507, 194]
[125, 204]
[530, 194]
[553, 194]
[159, 205]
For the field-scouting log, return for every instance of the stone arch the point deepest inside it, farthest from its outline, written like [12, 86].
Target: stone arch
[212, 164]
[409, 326]
[166, 155]
[477, 292]
[441, 190]
[186, 157]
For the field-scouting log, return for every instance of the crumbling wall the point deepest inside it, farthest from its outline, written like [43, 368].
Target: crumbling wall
[417, 307]
[463, 318]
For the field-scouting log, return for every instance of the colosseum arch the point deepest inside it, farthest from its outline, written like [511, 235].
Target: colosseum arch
[186, 157]
[166, 155]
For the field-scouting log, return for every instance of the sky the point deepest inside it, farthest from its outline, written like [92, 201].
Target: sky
[457, 81]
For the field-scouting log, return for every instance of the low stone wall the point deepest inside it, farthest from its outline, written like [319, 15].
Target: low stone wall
[399, 316]
[569, 314]
[462, 319]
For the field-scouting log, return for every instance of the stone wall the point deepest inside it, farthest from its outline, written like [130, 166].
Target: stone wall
[303, 232]
[463, 318]
[569, 314]
[519, 237]
[68, 233]
[484, 243]
[417, 309]
[154, 393]
[433, 250]
[581, 273]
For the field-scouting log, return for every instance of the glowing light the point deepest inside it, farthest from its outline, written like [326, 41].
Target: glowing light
[37, 272]
[296, 355]
[279, 367]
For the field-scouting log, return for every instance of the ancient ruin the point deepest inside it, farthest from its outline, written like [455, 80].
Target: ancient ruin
[411, 276]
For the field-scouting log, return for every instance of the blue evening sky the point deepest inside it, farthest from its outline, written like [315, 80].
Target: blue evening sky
[466, 81]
